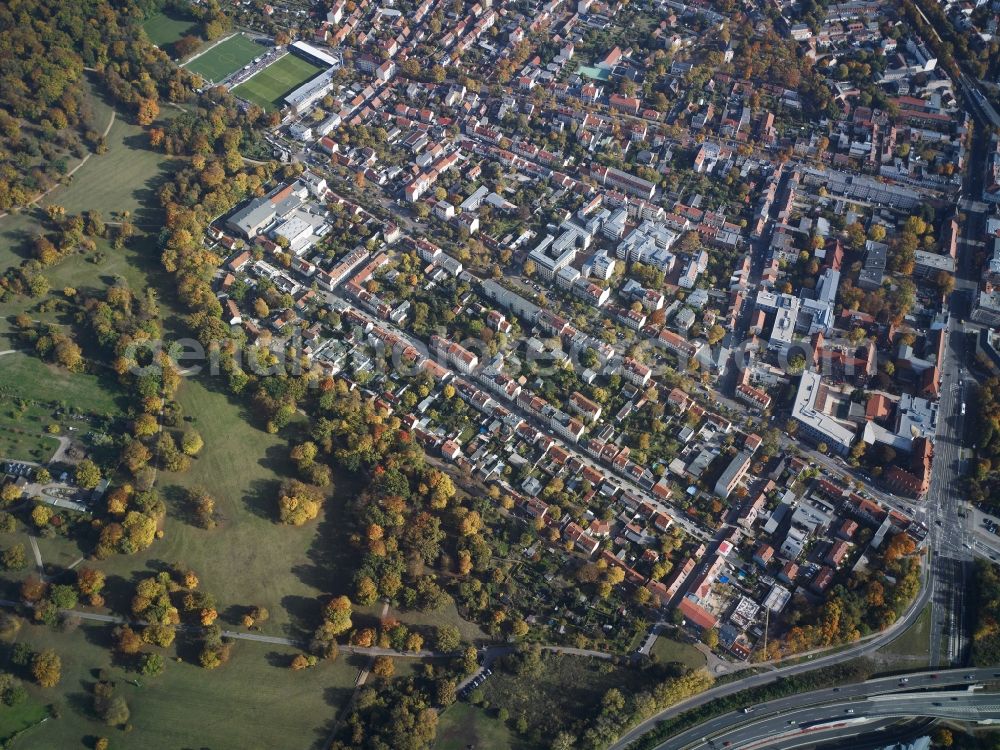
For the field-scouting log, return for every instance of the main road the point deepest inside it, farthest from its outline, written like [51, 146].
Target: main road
[922, 694]
[949, 539]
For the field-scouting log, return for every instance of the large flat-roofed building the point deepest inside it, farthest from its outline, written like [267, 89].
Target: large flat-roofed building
[553, 254]
[627, 183]
[786, 316]
[809, 411]
[733, 473]
[862, 187]
[311, 91]
[510, 301]
[929, 264]
[260, 213]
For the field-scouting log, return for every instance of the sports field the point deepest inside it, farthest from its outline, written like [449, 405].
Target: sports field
[163, 29]
[269, 87]
[226, 58]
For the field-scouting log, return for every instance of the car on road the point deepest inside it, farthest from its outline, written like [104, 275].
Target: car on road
[747, 709]
[849, 711]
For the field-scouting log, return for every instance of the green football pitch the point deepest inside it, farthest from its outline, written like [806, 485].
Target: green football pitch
[226, 58]
[268, 87]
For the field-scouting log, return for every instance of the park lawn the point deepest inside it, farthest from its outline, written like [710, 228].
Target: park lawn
[249, 558]
[125, 178]
[14, 719]
[44, 388]
[17, 227]
[669, 650]
[166, 28]
[254, 701]
[25, 376]
[225, 58]
[268, 87]
[463, 726]
[89, 273]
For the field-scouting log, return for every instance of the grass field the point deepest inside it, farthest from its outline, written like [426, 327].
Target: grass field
[463, 726]
[269, 87]
[23, 376]
[125, 178]
[668, 650]
[225, 58]
[252, 702]
[42, 388]
[163, 29]
[914, 644]
[20, 718]
[568, 688]
[248, 559]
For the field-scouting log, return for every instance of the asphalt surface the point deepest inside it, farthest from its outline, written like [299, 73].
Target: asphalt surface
[922, 694]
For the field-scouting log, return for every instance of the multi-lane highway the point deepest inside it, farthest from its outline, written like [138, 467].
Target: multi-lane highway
[944, 695]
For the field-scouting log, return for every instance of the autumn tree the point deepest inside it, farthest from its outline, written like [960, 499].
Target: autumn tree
[255, 616]
[447, 638]
[87, 475]
[112, 708]
[203, 508]
[147, 110]
[14, 558]
[90, 582]
[126, 640]
[191, 442]
[46, 668]
[383, 667]
[338, 614]
[298, 503]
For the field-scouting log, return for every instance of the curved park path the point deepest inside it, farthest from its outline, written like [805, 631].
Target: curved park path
[69, 174]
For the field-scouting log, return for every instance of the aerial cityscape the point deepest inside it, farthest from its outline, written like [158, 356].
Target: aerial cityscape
[520, 375]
